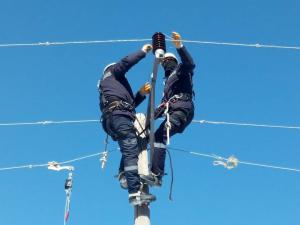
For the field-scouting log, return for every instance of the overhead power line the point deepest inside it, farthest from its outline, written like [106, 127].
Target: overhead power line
[245, 124]
[49, 122]
[30, 166]
[59, 43]
[219, 159]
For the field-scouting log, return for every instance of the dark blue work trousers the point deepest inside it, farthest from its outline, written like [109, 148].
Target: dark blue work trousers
[179, 121]
[121, 128]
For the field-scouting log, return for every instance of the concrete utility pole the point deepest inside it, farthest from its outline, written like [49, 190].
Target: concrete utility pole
[142, 213]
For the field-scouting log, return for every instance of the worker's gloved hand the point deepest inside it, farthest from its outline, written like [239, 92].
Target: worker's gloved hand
[176, 38]
[147, 48]
[145, 89]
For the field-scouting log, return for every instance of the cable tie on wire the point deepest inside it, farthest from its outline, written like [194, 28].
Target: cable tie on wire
[46, 122]
[47, 43]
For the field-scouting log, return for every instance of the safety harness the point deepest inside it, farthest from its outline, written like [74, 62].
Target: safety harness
[162, 107]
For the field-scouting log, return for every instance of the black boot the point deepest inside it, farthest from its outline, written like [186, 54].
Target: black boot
[152, 179]
[122, 179]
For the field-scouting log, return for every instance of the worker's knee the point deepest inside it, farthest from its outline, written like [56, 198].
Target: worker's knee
[122, 128]
[180, 120]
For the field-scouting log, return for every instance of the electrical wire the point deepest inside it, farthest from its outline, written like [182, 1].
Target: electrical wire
[47, 43]
[245, 124]
[212, 156]
[216, 157]
[30, 166]
[47, 122]
[194, 121]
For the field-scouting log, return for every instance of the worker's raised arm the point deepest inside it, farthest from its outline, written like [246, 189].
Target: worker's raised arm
[186, 58]
[125, 64]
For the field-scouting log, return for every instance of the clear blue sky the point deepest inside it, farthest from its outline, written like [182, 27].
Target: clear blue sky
[231, 84]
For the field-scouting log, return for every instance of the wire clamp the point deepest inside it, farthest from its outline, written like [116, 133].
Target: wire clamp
[230, 163]
[56, 167]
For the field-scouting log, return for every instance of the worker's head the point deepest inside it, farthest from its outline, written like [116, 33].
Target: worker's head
[108, 67]
[169, 63]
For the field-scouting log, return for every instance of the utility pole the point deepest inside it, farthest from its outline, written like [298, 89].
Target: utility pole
[142, 212]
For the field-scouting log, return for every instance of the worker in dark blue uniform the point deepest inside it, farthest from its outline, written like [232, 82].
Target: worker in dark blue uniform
[178, 94]
[117, 103]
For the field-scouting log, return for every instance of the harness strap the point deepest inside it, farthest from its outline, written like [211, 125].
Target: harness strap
[121, 105]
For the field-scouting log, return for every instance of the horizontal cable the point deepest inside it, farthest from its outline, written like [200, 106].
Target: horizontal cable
[243, 45]
[30, 166]
[49, 122]
[213, 156]
[47, 43]
[216, 157]
[246, 124]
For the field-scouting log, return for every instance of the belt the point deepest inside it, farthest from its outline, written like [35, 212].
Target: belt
[121, 105]
[180, 96]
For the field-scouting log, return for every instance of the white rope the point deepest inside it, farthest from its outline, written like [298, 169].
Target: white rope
[30, 166]
[47, 43]
[168, 123]
[246, 124]
[220, 158]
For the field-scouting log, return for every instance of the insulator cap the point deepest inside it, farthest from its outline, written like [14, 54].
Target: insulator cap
[158, 42]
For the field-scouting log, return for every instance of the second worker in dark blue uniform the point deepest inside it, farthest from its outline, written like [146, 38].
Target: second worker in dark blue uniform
[178, 94]
[117, 103]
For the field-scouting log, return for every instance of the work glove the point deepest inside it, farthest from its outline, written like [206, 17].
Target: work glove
[176, 39]
[145, 89]
[147, 48]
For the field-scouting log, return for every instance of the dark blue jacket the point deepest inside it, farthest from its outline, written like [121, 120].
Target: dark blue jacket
[114, 85]
[180, 81]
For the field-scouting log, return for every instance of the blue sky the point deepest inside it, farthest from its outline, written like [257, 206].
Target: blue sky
[239, 84]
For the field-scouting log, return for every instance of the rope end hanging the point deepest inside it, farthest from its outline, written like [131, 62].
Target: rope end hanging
[68, 190]
[103, 159]
[104, 155]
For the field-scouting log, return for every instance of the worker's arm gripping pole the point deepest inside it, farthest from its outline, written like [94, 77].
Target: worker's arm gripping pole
[159, 48]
